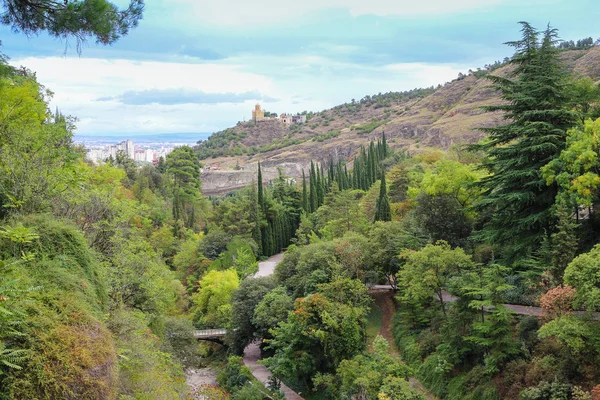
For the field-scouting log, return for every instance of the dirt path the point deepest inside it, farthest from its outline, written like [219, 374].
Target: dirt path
[386, 305]
[384, 300]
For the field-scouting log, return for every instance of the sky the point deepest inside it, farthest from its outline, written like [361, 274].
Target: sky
[199, 66]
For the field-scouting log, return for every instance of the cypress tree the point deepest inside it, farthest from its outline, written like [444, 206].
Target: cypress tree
[515, 191]
[269, 247]
[356, 170]
[261, 198]
[384, 145]
[368, 173]
[320, 188]
[255, 217]
[313, 188]
[372, 163]
[331, 170]
[346, 184]
[383, 211]
[304, 193]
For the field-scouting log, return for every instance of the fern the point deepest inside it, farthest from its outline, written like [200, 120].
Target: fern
[12, 358]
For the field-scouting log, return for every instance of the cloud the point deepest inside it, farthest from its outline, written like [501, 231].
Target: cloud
[126, 96]
[201, 53]
[280, 12]
[184, 96]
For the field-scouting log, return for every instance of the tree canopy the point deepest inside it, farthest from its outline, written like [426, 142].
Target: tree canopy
[78, 19]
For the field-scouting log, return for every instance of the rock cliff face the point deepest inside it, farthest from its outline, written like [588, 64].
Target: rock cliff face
[224, 181]
[451, 115]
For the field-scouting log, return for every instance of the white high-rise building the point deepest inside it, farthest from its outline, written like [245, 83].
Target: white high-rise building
[149, 155]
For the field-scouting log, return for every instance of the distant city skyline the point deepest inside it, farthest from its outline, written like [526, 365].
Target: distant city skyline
[194, 66]
[144, 152]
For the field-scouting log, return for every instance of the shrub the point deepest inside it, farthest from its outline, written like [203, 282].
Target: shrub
[234, 375]
[559, 300]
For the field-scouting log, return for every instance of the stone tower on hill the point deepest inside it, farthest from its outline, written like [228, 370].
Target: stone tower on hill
[258, 114]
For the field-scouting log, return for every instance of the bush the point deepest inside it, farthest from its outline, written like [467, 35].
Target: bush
[547, 391]
[214, 243]
[249, 392]
[406, 342]
[474, 385]
[432, 374]
[234, 375]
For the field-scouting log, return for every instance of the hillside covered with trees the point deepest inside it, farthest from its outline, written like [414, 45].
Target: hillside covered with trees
[464, 273]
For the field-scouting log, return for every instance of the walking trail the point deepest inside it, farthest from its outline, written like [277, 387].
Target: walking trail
[252, 351]
[383, 300]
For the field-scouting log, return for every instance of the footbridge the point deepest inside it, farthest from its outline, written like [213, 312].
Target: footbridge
[211, 335]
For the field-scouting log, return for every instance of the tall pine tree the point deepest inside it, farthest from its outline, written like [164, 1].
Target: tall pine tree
[515, 191]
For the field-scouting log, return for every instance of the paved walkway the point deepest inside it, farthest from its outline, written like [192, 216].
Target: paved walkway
[252, 351]
[267, 267]
[516, 308]
[260, 372]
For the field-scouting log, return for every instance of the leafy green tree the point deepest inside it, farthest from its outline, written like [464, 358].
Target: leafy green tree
[245, 263]
[243, 303]
[341, 213]
[535, 99]
[577, 170]
[214, 243]
[184, 167]
[441, 217]
[38, 162]
[428, 272]
[212, 302]
[454, 179]
[318, 335]
[399, 183]
[77, 19]
[388, 240]
[395, 388]
[575, 333]
[584, 95]
[271, 310]
[364, 375]
[583, 273]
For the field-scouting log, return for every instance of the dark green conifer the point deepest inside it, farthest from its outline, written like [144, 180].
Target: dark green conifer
[534, 97]
[383, 211]
[313, 188]
[305, 205]
[384, 145]
[261, 197]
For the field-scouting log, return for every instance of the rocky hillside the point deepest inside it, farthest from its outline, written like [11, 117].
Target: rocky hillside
[416, 120]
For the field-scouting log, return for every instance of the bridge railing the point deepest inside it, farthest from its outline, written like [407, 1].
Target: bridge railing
[204, 333]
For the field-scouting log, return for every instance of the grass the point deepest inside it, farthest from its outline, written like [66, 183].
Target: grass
[374, 321]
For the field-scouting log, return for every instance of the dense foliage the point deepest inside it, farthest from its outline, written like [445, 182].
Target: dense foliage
[108, 269]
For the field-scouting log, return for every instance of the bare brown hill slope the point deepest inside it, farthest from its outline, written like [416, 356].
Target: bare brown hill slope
[416, 121]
